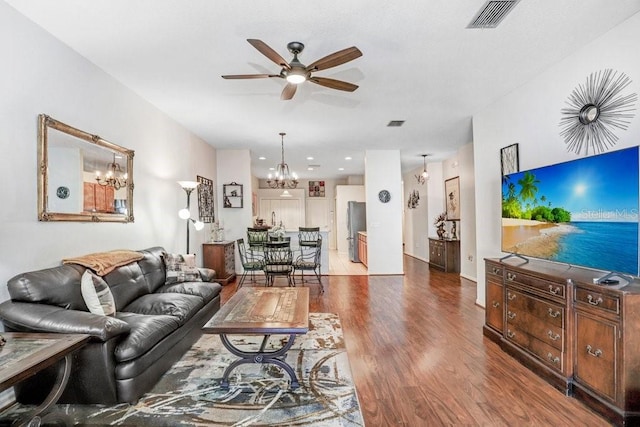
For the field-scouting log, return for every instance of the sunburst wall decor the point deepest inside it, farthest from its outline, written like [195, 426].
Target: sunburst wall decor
[595, 111]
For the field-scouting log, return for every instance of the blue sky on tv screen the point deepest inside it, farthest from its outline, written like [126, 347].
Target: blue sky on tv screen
[597, 188]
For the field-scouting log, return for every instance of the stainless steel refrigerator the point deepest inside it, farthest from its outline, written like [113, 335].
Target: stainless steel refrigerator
[356, 221]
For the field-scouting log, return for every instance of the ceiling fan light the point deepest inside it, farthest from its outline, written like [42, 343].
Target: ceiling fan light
[296, 78]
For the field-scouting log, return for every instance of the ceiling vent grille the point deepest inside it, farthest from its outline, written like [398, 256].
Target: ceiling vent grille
[395, 123]
[492, 13]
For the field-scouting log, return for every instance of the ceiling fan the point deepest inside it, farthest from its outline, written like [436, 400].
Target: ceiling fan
[295, 72]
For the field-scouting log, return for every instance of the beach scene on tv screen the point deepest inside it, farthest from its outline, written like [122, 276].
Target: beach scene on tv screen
[582, 212]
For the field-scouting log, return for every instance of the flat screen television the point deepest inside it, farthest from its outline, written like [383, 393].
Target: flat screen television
[581, 212]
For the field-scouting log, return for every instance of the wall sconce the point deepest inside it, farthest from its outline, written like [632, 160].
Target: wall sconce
[188, 187]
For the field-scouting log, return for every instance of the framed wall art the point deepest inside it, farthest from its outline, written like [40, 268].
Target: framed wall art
[205, 200]
[316, 189]
[452, 197]
[509, 160]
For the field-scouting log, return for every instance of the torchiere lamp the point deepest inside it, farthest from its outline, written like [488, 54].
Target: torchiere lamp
[188, 187]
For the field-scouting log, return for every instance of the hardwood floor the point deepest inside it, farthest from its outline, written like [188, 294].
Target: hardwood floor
[419, 358]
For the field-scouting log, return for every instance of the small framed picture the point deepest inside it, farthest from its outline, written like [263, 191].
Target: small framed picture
[452, 198]
[509, 161]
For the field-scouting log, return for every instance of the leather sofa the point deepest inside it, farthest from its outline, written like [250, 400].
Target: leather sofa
[154, 325]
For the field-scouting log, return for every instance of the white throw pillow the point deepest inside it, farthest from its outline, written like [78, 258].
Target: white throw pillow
[181, 268]
[97, 295]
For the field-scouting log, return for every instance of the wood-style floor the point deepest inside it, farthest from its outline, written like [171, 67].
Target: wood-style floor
[419, 358]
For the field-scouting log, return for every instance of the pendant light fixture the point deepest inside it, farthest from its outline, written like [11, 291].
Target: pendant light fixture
[424, 176]
[283, 178]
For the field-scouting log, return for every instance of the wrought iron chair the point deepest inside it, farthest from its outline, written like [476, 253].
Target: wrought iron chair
[286, 239]
[309, 260]
[251, 262]
[257, 237]
[278, 260]
[308, 236]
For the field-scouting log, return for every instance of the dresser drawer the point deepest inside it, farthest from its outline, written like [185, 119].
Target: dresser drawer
[549, 313]
[547, 354]
[545, 287]
[596, 300]
[493, 272]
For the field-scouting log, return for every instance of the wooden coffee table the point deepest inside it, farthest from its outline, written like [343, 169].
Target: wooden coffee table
[262, 311]
[26, 354]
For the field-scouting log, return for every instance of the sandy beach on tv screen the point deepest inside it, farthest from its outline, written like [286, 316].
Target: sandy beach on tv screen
[534, 238]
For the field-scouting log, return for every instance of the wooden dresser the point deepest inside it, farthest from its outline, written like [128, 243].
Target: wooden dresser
[220, 256]
[444, 255]
[582, 338]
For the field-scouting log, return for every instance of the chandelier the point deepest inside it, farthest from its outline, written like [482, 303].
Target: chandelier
[114, 177]
[282, 177]
[424, 176]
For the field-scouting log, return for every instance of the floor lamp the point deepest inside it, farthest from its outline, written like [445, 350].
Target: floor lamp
[188, 187]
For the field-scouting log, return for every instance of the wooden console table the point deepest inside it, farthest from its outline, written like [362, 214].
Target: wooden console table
[26, 354]
[444, 255]
[581, 337]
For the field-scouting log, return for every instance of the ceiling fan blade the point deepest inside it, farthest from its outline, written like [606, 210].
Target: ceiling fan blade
[333, 83]
[249, 76]
[288, 91]
[264, 49]
[335, 59]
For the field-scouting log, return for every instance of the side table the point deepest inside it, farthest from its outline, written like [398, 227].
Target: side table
[26, 354]
[220, 256]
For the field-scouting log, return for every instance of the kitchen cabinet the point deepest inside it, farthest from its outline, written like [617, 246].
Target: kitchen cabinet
[362, 248]
[444, 255]
[287, 211]
[98, 198]
[220, 256]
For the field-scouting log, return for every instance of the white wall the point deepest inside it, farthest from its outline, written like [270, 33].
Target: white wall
[416, 221]
[530, 115]
[234, 166]
[384, 220]
[41, 75]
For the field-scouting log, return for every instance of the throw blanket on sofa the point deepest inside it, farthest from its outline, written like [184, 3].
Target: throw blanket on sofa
[105, 262]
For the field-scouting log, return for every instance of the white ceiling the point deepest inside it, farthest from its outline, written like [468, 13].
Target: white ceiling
[419, 64]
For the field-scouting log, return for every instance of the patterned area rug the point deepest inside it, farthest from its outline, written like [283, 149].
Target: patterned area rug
[189, 394]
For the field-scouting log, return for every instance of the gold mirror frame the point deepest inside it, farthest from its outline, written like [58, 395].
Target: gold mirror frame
[45, 124]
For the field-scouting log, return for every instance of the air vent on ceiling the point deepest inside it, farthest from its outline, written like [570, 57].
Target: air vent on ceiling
[395, 123]
[492, 13]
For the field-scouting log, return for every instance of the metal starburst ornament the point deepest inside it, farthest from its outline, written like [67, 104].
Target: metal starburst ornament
[595, 111]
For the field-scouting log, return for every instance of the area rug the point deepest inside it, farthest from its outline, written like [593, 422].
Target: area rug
[189, 394]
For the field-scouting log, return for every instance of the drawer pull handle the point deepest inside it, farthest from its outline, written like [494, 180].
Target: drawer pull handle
[553, 314]
[554, 337]
[511, 296]
[496, 270]
[552, 359]
[596, 353]
[511, 277]
[555, 291]
[511, 315]
[496, 304]
[593, 301]
[510, 334]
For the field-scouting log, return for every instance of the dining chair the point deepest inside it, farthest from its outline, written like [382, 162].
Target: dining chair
[256, 237]
[251, 262]
[309, 260]
[278, 260]
[308, 236]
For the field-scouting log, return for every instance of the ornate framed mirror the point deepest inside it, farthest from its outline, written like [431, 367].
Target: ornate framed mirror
[82, 177]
